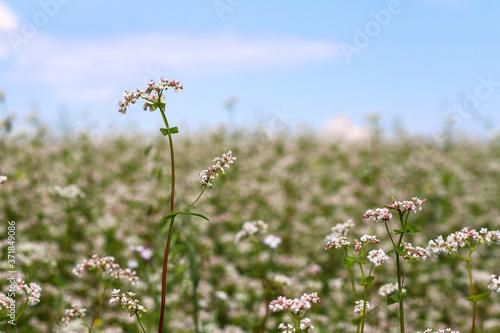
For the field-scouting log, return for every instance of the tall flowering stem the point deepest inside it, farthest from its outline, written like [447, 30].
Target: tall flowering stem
[154, 99]
[471, 239]
[403, 208]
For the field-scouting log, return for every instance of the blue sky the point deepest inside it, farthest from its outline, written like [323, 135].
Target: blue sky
[289, 63]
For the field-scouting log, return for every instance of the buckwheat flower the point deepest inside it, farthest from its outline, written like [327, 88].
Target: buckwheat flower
[415, 253]
[405, 206]
[286, 328]
[150, 95]
[378, 215]
[74, 312]
[251, 228]
[336, 242]
[306, 324]
[221, 295]
[377, 257]
[5, 302]
[3, 179]
[105, 265]
[128, 302]
[295, 306]
[70, 192]
[369, 239]
[389, 288]
[359, 308]
[272, 241]
[494, 284]
[33, 291]
[207, 177]
[492, 237]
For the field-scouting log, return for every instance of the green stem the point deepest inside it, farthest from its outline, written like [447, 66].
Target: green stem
[404, 274]
[167, 247]
[105, 287]
[474, 304]
[400, 289]
[191, 205]
[139, 320]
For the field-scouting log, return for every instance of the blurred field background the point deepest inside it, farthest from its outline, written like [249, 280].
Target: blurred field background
[300, 183]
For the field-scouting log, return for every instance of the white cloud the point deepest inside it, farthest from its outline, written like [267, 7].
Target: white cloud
[66, 63]
[8, 20]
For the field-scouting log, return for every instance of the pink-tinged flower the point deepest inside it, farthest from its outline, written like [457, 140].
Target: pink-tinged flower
[5, 302]
[415, 253]
[128, 302]
[152, 95]
[74, 312]
[405, 206]
[377, 257]
[462, 238]
[207, 177]
[106, 265]
[295, 306]
[378, 215]
[3, 179]
[33, 291]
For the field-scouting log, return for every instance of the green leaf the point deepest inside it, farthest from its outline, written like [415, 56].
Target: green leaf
[174, 214]
[401, 251]
[349, 262]
[173, 130]
[391, 251]
[395, 298]
[410, 228]
[367, 281]
[193, 263]
[479, 297]
[397, 231]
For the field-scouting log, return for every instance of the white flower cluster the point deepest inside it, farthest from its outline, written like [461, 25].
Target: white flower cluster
[127, 302]
[272, 241]
[378, 215]
[70, 192]
[336, 242]
[377, 257]
[207, 177]
[447, 330]
[74, 312]
[33, 291]
[389, 288]
[359, 308]
[251, 228]
[5, 302]
[460, 239]
[295, 306]
[3, 179]
[415, 253]
[106, 265]
[150, 94]
[406, 205]
[494, 284]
